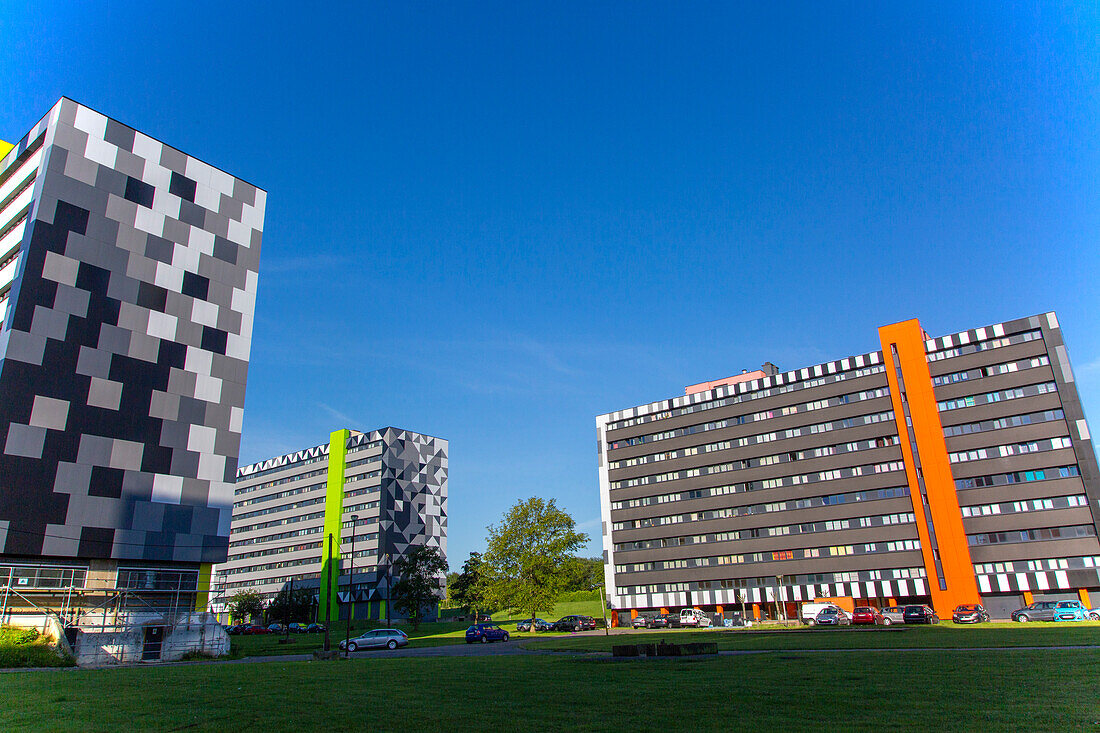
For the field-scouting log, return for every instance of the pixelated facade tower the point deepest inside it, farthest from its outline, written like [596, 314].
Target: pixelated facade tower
[128, 275]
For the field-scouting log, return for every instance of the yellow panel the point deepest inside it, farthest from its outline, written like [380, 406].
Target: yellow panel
[5, 148]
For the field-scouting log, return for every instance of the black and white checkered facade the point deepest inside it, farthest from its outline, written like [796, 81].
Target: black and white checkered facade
[127, 290]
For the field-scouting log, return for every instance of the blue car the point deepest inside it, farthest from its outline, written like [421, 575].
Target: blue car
[1070, 611]
[485, 633]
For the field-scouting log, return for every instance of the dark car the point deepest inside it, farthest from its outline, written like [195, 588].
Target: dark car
[663, 621]
[969, 613]
[315, 629]
[573, 623]
[485, 633]
[866, 615]
[297, 628]
[276, 628]
[1038, 611]
[534, 624]
[920, 615]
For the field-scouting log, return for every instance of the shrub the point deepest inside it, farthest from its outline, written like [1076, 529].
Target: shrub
[33, 655]
[15, 636]
[198, 656]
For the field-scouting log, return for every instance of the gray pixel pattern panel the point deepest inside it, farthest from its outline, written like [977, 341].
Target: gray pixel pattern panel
[124, 356]
[414, 490]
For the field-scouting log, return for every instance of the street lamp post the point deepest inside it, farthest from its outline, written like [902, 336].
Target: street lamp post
[389, 582]
[351, 581]
[779, 605]
[603, 604]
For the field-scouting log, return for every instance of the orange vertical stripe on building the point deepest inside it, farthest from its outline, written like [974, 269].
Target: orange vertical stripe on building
[943, 502]
[1084, 596]
[1028, 598]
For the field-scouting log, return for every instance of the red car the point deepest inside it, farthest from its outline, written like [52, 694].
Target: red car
[866, 615]
[255, 629]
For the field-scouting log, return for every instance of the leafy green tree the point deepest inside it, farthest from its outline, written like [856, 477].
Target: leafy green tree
[523, 564]
[245, 605]
[418, 572]
[468, 589]
[582, 573]
[295, 606]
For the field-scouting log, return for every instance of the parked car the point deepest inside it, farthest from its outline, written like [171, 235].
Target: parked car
[1070, 611]
[832, 616]
[864, 615]
[573, 623]
[920, 615]
[276, 628]
[590, 622]
[315, 629]
[235, 629]
[485, 633]
[536, 624]
[1038, 611]
[808, 613]
[378, 638]
[297, 628]
[892, 615]
[1094, 613]
[662, 621]
[694, 617]
[251, 629]
[970, 613]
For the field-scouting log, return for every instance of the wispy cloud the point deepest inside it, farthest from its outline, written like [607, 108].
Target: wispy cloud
[346, 420]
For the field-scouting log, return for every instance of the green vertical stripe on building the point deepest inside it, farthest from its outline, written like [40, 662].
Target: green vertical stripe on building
[334, 514]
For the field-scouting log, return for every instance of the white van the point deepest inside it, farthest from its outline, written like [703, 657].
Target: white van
[694, 617]
[809, 611]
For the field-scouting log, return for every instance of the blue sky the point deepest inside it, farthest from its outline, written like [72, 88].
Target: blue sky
[493, 221]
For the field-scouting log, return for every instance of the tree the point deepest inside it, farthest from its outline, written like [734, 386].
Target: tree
[526, 553]
[468, 589]
[293, 606]
[418, 572]
[244, 605]
[582, 573]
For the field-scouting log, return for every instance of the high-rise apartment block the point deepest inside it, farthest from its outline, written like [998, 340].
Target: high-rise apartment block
[946, 470]
[363, 500]
[128, 275]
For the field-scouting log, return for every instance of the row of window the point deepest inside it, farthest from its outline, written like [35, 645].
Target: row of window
[1016, 477]
[754, 417]
[274, 551]
[769, 483]
[785, 457]
[274, 537]
[361, 476]
[279, 481]
[1050, 563]
[1031, 505]
[778, 556]
[744, 397]
[831, 525]
[362, 462]
[42, 576]
[768, 581]
[281, 508]
[1001, 423]
[780, 506]
[1032, 535]
[303, 462]
[278, 580]
[1016, 338]
[990, 371]
[278, 523]
[988, 398]
[279, 495]
[362, 507]
[1015, 449]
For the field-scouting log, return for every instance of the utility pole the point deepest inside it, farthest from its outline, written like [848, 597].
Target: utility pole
[328, 593]
[389, 583]
[351, 579]
[603, 604]
[289, 599]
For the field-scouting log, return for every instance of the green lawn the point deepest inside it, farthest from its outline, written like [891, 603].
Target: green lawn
[919, 691]
[583, 607]
[940, 636]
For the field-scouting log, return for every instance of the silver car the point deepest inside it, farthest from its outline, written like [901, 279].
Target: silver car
[892, 615]
[388, 638]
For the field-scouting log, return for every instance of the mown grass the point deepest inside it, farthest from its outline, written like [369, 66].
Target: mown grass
[940, 636]
[27, 648]
[995, 690]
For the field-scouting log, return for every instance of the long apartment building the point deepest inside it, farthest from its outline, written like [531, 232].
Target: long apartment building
[948, 470]
[363, 500]
[128, 275]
